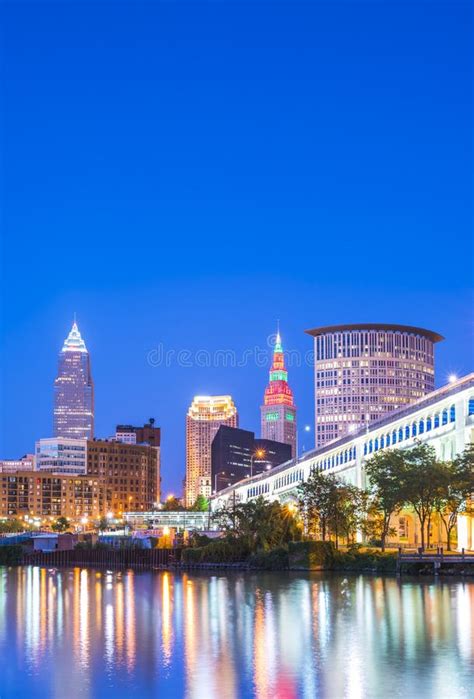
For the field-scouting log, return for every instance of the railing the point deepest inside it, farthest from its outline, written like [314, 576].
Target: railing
[439, 558]
[109, 558]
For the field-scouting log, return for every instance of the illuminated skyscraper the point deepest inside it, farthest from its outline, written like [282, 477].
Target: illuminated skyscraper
[278, 412]
[74, 390]
[205, 415]
[362, 372]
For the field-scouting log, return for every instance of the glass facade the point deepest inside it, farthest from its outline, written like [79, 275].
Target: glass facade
[74, 390]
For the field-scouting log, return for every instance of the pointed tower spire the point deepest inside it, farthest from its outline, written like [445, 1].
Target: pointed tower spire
[74, 341]
[279, 411]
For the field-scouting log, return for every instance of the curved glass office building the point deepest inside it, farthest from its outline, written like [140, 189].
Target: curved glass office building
[363, 372]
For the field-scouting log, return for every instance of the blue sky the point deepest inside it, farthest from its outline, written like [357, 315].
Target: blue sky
[182, 175]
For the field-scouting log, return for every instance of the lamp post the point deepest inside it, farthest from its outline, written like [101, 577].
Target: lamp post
[216, 476]
[259, 453]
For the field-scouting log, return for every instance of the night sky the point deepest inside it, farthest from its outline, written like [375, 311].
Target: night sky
[183, 175]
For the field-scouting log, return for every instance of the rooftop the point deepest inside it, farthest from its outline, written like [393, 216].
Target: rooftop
[324, 330]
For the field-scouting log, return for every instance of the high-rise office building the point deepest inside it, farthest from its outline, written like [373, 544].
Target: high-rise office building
[205, 415]
[74, 390]
[363, 372]
[236, 455]
[278, 413]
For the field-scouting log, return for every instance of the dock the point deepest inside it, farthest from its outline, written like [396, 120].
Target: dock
[457, 560]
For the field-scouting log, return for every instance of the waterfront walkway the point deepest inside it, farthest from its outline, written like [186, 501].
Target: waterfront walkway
[453, 560]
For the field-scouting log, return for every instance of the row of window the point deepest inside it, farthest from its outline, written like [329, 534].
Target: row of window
[343, 457]
[289, 478]
[260, 489]
[413, 430]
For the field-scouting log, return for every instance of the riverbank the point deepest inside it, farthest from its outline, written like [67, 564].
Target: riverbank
[298, 556]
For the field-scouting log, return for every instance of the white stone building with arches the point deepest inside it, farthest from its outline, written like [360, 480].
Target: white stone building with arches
[444, 419]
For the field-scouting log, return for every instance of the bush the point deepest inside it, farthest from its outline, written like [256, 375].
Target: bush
[196, 539]
[89, 546]
[276, 559]
[10, 555]
[191, 556]
[368, 560]
[222, 551]
[311, 555]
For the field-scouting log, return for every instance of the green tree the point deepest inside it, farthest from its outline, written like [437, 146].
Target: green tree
[201, 504]
[12, 526]
[259, 524]
[172, 504]
[349, 511]
[422, 482]
[316, 501]
[331, 507]
[102, 524]
[385, 473]
[453, 497]
[60, 525]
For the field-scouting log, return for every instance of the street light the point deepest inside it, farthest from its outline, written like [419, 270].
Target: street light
[259, 453]
[220, 473]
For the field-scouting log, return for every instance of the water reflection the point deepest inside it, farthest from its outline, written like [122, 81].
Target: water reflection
[85, 633]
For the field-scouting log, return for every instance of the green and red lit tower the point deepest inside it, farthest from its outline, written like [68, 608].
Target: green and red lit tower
[278, 412]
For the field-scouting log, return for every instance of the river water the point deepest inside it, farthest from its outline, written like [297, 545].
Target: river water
[87, 633]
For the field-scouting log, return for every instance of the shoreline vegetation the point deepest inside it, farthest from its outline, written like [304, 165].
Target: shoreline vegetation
[225, 555]
[298, 555]
[317, 530]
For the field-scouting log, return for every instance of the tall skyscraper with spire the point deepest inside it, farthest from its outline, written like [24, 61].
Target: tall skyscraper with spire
[74, 390]
[278, 413]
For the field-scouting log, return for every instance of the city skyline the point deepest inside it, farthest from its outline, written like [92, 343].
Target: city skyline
[172, 482]
[263, 414]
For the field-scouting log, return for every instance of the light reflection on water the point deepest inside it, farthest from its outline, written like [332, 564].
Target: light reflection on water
[87, 633]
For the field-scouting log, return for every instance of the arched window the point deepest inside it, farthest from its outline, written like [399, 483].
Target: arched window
[470, 406]
[376, 444]
[428, 423]
[421, 426]
[407, 432]
[387, 440]
[370, 447]
[345, 457]
[413, 430]
[445, 417]
[452, 413]
[400, 434]
[436, 420]
[365, 448]
[382, 442]
[394, 437]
